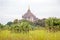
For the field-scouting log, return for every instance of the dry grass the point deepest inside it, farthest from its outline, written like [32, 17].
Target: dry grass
[32, 35]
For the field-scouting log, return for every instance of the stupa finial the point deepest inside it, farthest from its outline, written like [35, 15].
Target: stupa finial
[28, 7]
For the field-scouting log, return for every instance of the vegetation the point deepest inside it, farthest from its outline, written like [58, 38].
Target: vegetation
[53, 24]
[32, 35]
[42, 29]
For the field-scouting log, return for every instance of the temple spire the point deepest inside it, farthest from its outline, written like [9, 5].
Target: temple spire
[28, 7]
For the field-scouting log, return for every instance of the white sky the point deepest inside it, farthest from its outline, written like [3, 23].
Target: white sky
[14, 9]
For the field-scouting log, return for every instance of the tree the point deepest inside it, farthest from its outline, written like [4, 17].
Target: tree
[16, 21]
[53, 23]
[1, 26]
[25, 26]
[40, 22]
[9, 23]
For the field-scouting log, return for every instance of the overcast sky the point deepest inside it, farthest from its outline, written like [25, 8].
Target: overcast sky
[14, 9]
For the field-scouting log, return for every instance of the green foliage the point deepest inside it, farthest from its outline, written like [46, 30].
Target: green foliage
[15, 28]
[31, 23]
[1, 26]
[40, 22]
[9, 23]
[22, 26]
[53, 23]
[16, 21]
[25, 26]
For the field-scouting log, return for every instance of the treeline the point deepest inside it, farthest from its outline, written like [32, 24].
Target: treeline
[51, 23]
[18, 26]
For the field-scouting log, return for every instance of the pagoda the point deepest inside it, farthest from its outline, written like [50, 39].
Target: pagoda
[29, 16]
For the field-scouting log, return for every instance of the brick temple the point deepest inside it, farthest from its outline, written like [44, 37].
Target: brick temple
[29, 16]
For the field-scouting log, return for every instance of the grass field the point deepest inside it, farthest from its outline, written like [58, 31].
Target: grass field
[32, 35]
